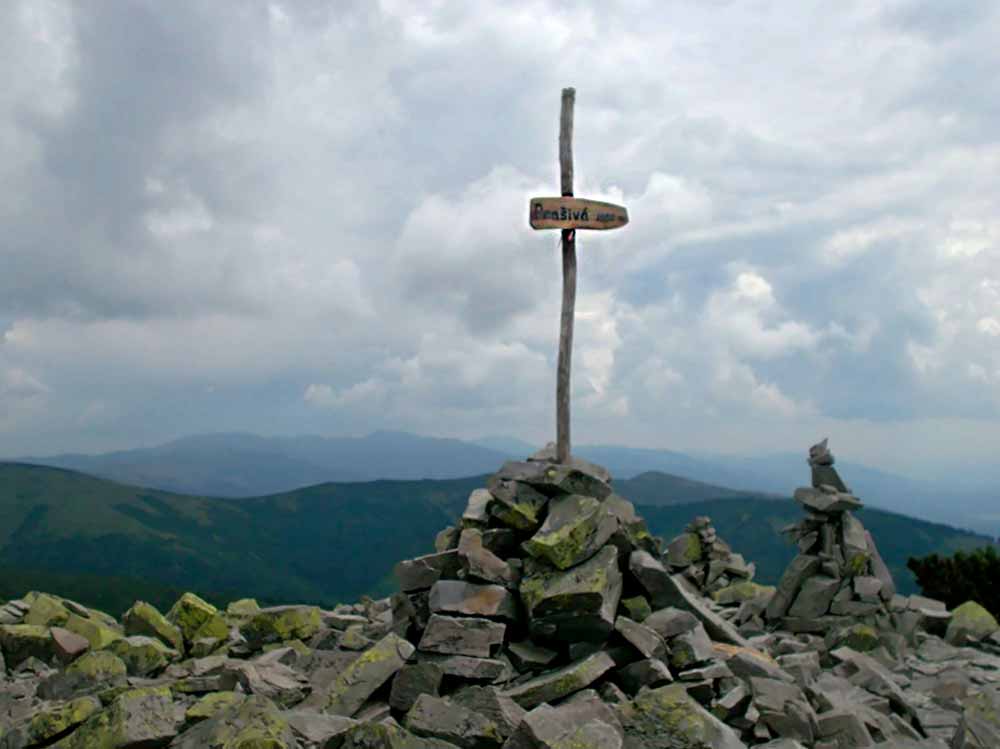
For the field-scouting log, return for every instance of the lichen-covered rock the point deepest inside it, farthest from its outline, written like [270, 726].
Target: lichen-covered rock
[245, 607]
[422, 572]
[19, 642]
[554, 685]
[744, 590]
[46, 611]
[51, 720]
[373, 668]
[282, 623]
[255, 723]
[684, 550]
[667, 718]
[98, 665]
[144, 619]
[98, 635]
[387, 736]
[196, 618]
[213, 704]
[970, 622]
[143, 656]
[136, 718]
[575, 604]
[574, 530]
[439, 718]
[517, 505]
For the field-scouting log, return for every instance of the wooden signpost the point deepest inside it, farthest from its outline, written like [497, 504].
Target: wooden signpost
[569, 214]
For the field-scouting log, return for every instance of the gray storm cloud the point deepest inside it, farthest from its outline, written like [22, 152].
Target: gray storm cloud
[295, 217]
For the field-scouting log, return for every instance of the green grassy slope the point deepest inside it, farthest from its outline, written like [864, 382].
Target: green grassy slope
[107, 544]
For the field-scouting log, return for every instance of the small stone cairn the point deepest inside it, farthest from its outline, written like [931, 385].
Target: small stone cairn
[715, 571]
[838, 578]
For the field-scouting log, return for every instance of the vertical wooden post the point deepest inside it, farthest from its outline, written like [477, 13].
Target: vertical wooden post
[569, 281]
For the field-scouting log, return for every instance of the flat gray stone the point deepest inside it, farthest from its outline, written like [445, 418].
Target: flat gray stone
[477, 510]
[356, 683]
[490, 670]
[480, 563]
[413, 680]
[422, 572]
[644, 639]
[467, 599]
[798, 570]
[814, 597]
[554, 478]
[439, 718]
[820, 501]
[575, 724]
[649, 672]
[562, 682]
[491, 703]
[462, 636]
[527, 656]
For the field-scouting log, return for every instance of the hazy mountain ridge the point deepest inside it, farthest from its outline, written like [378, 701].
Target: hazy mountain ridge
[335, 541]
[245, 465]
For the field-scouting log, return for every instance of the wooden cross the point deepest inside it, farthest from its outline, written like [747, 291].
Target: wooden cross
[569, 214]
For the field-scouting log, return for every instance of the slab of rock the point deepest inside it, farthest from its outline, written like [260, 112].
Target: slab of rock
[820, 501]
[814, 597]
[648, 672]
[281, 624]
[684, 550]
[644, 639]
[195, 619]
[387, 735]
[578, 604]
[577, 724]
[517, 505]
[477, 509]
[562, 682]
[143, 656]
[467, 599]
[68, 646]
[670, 622]
[356, 683]
[970, 622]
[318, 729]
[491, 670]
[144, 619]
[136, 718]
[548, 455]
[480, 563]
[491, 703]
[668, 718]
[439, 718]
[422, 572]
[462, 636]
[413, 680]
[797, 571]
[691, 648]
[527, 656]
[555, 478]
[574, 530]
[256, 722]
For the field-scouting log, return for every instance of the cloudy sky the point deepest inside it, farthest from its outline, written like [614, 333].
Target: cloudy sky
[310, 217]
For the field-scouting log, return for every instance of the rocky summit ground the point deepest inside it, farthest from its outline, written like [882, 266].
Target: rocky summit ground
[548, 618]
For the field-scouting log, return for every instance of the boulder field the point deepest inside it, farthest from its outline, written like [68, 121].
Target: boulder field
[547, 617]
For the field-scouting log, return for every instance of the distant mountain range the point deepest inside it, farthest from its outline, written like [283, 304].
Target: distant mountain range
[107, 543]
[245, 465]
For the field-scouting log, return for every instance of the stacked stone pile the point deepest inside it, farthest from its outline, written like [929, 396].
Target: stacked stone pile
[543, 620]
[715, 571]
[838, 578]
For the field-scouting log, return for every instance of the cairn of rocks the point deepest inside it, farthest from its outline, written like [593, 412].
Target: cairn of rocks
[715, 571]
[544, 619]
[838, 577]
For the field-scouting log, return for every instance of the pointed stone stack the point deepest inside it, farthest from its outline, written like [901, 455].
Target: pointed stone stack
[838, 578]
